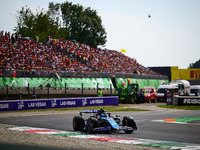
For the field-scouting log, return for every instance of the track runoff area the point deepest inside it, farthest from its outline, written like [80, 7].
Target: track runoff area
[124, 140]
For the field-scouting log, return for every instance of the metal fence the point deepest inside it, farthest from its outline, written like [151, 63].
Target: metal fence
[77, 74]
[12, 93]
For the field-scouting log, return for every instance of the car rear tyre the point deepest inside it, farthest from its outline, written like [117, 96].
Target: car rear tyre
[128, 121]
[78, 123]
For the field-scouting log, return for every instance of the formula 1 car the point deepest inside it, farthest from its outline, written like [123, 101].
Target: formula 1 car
[103, 121]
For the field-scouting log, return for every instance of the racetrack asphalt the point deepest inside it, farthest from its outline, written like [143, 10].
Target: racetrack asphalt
[148, 128]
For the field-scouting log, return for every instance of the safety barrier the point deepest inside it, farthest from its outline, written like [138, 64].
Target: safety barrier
[78, 74]
[76, 82]
[57, 103]
[186, 100]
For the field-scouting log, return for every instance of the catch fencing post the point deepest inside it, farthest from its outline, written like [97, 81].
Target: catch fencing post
[7, 91]
[48, 90]
[82, 90]
[97, 89]
[111, 89]
[28, 91]
[65, 89]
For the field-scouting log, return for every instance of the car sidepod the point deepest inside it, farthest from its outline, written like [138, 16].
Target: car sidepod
[112, 123]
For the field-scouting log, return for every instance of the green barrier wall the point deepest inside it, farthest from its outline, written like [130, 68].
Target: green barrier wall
[76, 82]
[71, 82]
[142, 82]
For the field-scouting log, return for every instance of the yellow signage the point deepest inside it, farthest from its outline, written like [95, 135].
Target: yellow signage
[184, 74]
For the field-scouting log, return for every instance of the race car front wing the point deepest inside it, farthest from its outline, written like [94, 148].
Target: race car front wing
[108, 128]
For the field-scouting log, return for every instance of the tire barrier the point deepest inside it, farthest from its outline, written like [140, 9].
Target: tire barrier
[57, 103]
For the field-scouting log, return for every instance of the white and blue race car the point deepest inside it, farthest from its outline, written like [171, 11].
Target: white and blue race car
[103, 121]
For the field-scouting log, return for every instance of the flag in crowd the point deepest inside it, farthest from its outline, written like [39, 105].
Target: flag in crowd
[123, 50]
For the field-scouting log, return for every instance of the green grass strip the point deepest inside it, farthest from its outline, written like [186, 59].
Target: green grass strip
[187, 107]
[187, 119]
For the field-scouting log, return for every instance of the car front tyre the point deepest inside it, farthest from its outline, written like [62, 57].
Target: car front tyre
[128, 121]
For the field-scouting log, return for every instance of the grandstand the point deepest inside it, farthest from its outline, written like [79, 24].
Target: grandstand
[28, 58]
[29, 55]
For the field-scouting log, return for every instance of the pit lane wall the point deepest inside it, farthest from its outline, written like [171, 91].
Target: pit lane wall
[57, 103]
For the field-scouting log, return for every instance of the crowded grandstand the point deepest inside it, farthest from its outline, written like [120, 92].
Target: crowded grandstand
[20, 53]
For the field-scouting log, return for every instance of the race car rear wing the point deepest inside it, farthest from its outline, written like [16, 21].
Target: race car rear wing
[87, 111]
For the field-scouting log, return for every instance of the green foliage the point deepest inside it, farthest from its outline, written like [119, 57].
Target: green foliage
[82, 25]
[194, 65]
[39, 24]
[25, 22]
[54, 12]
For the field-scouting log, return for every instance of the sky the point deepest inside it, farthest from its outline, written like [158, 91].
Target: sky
[170, 37]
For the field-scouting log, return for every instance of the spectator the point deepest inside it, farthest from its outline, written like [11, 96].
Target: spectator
[20, 97]
[61, 55]
[142, 97]
[168, 98]
[100, 94]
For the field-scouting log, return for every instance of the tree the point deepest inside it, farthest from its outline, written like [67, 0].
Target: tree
[67, 21]
[54, 13]
[25, 22]
[83, 25]
[41, 24]
[194, 65]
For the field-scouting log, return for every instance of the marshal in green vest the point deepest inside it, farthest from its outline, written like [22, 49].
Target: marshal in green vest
[100, 94]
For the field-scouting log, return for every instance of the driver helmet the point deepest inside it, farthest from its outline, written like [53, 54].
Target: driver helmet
[103, 115]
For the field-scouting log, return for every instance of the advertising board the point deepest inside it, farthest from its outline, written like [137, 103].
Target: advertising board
[188, 100]
[57, 103]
